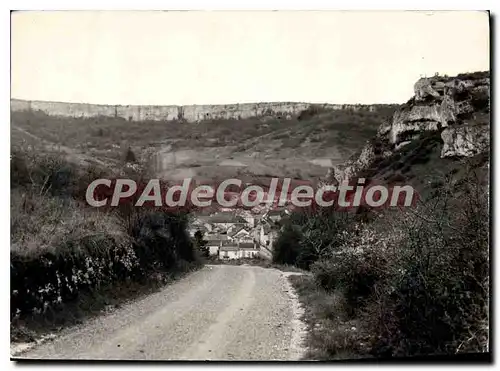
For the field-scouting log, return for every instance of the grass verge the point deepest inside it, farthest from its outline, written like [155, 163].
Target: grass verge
[331, 334]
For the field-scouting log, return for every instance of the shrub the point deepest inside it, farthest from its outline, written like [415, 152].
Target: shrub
[161, 241]
[287, 246]
[353, 275]
[309, 234]
[43, 173]
[437, 302]
[418, 281]
[51, 174]
[130, 156]
[61, 247]
[19, 172]
[331, 334]
[358, 264]
[309, 112]
[201, 244]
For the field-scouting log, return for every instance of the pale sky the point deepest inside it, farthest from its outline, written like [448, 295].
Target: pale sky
[196, 57]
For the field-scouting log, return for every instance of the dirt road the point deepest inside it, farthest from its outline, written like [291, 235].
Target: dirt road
[221, 312]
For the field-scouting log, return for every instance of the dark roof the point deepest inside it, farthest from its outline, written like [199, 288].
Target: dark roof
[214, 242]
[238, 231]
[247, 245]
[226, 217]
[229, 248]
[216, 236]
[235, 230]
[211, 237]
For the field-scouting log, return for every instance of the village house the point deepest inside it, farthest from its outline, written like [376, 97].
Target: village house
[215, 241]
[241, 234]
[248, 250]
[216, 223]
[275, 215]
[195, 228]
[225, 220]
[213, 247]
[238, 251]
[249, 218]
[265, 234]
[200, 223]
[233, 236]
[229, 251]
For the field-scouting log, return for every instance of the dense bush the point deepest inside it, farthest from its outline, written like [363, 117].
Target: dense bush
[437, 299]
[60, 246]
[353, 275]
[130, 156]
[51, 174]
[48, 174]
[308, 235]
[309, 112]
[201, 244]
[416, 280]
[161, 241]
[287, 248]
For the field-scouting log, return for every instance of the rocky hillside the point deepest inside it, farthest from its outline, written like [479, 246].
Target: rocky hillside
[447, 119]
[408, 281]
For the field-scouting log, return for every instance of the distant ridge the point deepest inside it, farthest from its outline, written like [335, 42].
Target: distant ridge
[188, 113]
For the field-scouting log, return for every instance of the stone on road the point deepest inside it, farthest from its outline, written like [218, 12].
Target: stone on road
[220, 312]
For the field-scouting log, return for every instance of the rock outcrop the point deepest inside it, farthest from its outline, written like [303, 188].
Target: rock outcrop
[438, 103]
[352, 167]
[458, 107]
[465, 141]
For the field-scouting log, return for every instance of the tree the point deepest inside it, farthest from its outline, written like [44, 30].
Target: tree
[201, 244]
[287, 247]
[130, 156]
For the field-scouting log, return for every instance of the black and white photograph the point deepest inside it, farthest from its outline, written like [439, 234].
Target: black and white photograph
[250, 185]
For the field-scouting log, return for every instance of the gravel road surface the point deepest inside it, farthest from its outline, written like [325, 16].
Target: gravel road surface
[220, 312]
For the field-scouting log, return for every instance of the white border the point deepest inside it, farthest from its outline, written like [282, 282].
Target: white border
[254, 5]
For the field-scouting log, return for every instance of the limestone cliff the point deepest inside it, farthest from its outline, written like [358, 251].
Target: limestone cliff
[457, 107]
[189, 113]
